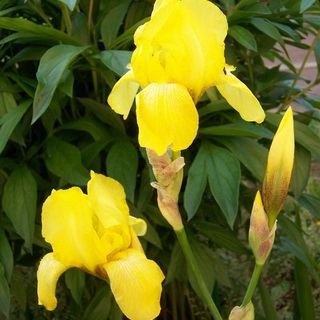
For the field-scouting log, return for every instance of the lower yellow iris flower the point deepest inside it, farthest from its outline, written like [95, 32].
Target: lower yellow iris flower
[179, 54]
[94, 232]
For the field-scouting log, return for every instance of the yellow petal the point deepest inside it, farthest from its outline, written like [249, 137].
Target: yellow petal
[279, 168]
[166, 117]
[123, 93]
[108, 199]
[67, 223]
[48, 274]
[182, 43]
[139, 226]
[240, 97]
[136, 284]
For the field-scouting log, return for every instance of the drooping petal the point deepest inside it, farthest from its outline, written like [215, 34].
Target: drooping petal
[67, 224]
[279, 168]
[240, 97]
[123, 93]
[136, 284]
[48, 274]
[166, 117]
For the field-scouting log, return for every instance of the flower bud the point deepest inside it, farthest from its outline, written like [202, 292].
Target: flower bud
[242, 313]
[260, 237]
[279, 168]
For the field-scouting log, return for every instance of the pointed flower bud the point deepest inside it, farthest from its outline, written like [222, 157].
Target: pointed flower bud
[260, 238]
[279, 168]
[242, 313]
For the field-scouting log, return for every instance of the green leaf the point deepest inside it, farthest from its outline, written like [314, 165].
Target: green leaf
[69, 3]
[99, 306]
[196, 183]
[9, 122]
[268, 28]
[122, 165]
[304, 5]
[19, 203]
[6, 256]
[34, 30]
[75, 281]
[116, 60]
[267, 302]
[219, 167]
[295, 243]
[53, 65]
[304, 291]
[104, 112]
[249, 152]
[311, 203]
[112, 21]
[4, 293]
[237, 129]
[301, 170]
[64, 160]
[221, 236]
[243, 36]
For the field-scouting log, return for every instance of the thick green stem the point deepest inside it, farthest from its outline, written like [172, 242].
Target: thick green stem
[206, 296]
[253, 283]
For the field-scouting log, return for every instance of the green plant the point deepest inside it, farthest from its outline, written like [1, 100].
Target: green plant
[59, 61]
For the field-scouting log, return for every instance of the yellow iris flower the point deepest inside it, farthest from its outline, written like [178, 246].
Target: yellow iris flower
[179, 54]
[95, 233]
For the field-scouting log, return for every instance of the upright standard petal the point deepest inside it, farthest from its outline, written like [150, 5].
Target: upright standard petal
[48, 274]
[136, 284]
[167, 117]
[108, 199]
[67, 224]
[279, 168]
[123, 93]
[240, 97]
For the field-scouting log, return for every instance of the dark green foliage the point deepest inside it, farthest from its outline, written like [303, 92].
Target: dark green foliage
[64, 57]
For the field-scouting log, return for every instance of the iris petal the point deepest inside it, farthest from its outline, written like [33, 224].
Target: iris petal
[123, 93]
[136, 284]
[108, 199]
[240, 98]
[166, 117]
[48, 274]
[67, 223]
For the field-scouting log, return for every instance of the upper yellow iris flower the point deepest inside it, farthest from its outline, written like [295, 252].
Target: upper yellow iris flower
[95, 233]
[179, 54]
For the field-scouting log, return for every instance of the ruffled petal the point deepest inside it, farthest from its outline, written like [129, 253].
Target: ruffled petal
[178, 45]
[136, 284]
[123, 93]
[48, 274]
[166, 116]
[108, 199]
[67, 223]
[240, 97]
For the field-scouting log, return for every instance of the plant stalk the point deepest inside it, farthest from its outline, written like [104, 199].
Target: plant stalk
[206, 296]
[253, 283]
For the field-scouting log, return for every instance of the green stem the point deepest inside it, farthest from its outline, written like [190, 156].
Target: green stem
[253, 283]
[206, 296]
[298, 75]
